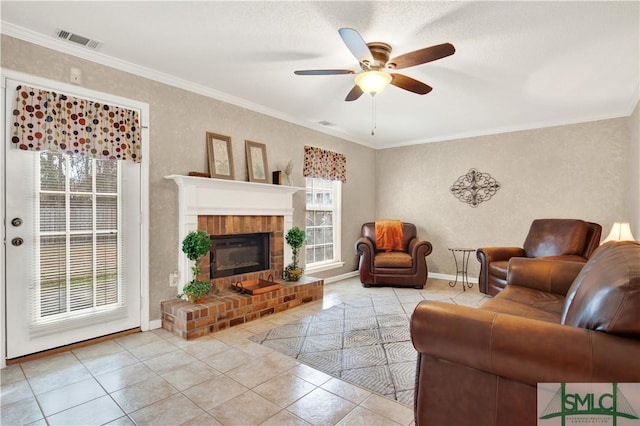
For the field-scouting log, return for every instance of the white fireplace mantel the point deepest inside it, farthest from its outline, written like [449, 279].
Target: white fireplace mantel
[219, 197]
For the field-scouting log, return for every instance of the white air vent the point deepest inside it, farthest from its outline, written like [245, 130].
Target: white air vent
[75, 38]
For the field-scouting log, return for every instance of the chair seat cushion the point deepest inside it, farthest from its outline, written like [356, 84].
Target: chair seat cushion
[498, 268]
[392, 259]
[527, 302]
[566, 258]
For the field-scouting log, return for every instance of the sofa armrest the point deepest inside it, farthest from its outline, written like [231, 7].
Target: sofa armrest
[552, 276]
[522, 349]
[419, 248]
[492, 254]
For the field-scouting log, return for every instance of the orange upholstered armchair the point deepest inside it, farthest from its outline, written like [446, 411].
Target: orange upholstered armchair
[555, 239]
[403, 267]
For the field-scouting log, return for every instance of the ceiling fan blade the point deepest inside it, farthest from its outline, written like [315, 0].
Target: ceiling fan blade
[323, 72]
[410, 84]
[354, 94]
[356, 44]
[422, 56]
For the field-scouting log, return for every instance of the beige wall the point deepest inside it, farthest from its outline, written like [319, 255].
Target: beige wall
[634, 168]
[178, 122]
[573, 171]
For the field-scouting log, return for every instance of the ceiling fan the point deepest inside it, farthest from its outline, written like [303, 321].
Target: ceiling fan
[374, 58]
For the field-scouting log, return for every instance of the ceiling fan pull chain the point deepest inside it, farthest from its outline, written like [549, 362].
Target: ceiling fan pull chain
[373, 115]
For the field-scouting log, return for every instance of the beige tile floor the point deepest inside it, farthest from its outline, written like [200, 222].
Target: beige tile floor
[156, 378]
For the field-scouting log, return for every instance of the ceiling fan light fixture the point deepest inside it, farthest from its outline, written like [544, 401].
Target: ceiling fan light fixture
[373, 82]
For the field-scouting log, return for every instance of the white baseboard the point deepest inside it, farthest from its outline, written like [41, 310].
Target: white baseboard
[435, 275]
[154, 324]
[336, 278]
[450, 277]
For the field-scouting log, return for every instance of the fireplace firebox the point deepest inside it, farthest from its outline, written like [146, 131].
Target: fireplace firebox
[239, 254]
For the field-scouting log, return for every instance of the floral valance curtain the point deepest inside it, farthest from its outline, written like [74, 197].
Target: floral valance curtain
[320, 163]
[49, 121]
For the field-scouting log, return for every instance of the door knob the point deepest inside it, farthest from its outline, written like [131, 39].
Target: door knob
[16, 221]
[17, 241]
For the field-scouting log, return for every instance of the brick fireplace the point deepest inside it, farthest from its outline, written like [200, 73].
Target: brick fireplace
[232, 208]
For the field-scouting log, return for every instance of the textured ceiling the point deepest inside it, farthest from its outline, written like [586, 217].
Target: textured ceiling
[518, 65]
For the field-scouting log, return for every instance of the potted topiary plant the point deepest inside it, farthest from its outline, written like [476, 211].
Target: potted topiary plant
[295, 238]
[195, 245]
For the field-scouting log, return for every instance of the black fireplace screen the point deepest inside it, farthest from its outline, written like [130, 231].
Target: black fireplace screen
[239, 254]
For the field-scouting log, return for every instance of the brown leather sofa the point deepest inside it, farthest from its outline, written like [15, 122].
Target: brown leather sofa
[561, 239]
[555, 322]
[406, 268]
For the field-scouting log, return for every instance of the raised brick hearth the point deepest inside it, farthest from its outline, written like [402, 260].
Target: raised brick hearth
[230, 308]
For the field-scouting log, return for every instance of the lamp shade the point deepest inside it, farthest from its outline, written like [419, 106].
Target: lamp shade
[373, 82]
[620, 231]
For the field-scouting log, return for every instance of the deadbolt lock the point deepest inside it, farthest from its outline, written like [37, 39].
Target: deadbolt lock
[17, 241]
[16, 221]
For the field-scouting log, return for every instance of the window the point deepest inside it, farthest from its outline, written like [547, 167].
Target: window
[324, 199]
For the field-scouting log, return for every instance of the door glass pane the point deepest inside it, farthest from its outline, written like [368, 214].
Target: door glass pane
[106, 269]
[106, 177]
[52, 213]
[81, 212]
[52, 169]
[106, 212]
[53, 275]
[80, 174]
[81, 274]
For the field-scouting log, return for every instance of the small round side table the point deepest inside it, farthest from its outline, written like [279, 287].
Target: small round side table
[461, 266]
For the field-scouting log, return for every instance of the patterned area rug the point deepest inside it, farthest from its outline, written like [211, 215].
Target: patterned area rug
[364, 341]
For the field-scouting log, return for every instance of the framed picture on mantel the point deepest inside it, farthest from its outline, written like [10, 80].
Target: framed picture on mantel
[257, 162]
[220, 156]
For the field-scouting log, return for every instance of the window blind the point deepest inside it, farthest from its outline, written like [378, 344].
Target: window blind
[80, 251]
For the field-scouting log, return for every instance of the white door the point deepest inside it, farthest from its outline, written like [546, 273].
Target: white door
[72, 248]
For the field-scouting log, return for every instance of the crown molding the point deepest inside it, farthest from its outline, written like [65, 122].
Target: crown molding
[68, 48]
[512, 129]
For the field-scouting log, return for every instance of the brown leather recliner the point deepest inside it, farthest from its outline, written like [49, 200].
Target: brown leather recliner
[406, 268]
[560, 239]
[555, 322]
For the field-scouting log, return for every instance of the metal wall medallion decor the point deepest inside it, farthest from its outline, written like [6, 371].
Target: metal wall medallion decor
[474, 187]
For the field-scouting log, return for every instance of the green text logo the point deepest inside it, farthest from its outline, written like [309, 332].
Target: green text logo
[586, 405]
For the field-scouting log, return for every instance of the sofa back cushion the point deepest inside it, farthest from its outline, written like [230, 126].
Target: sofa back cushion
[555, 237]
[605, 296]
